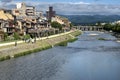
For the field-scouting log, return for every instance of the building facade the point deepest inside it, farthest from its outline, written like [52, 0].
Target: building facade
[30, 10]
[6, 22]
[50, 13]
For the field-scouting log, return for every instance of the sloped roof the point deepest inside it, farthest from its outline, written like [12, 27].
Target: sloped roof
[5, 16]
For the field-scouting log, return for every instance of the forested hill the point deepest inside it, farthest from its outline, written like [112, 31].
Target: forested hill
[91, 19]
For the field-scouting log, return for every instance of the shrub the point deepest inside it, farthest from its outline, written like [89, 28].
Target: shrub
[56, 25]
[72, 40]
[16, 36]
[25, 37]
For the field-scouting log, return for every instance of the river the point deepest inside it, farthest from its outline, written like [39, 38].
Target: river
[85, 59]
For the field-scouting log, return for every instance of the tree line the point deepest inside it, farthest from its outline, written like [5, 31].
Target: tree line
[112, 27]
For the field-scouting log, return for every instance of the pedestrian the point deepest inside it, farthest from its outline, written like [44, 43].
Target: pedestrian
[32, 41]
[15, 43]
[35, 40]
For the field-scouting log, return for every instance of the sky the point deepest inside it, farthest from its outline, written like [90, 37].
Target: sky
[68, 1]
[71, 7]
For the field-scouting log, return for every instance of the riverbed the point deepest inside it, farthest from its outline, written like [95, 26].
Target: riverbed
[85, 59]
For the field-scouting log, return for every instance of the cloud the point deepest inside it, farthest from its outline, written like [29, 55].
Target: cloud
[80, 8]
[6, 1]
[69, 8]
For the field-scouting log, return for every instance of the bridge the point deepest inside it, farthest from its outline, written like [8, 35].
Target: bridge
[90, 28]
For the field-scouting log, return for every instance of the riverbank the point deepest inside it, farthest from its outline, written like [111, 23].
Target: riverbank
[11, 51]
[117, 35]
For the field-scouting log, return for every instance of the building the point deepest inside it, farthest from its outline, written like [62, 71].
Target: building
[23, 10]
[5, 16]
[62, 20]
[1, 29]
[57, 19]
[30, 10]
[1, 35]
[39, 14]
[6, 22]
[25, 17]
[20, 9]
[50, 13]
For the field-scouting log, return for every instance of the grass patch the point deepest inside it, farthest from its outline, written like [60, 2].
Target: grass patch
[76, 33]
[63, 43]
[31, 51]
[101, 39]
[44, 45]
[5, 58]
[72, 40]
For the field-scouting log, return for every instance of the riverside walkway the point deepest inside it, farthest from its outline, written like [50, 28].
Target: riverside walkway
[42, 38]
[10, 48]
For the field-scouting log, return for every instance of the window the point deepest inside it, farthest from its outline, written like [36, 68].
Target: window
[16, 11]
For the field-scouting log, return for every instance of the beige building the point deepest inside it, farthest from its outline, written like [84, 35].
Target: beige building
[20, 9]
[25, 16]
[62, 20]
[1, 35]
[57, 19]
[6, 21]
[23, 10]
[5, 16]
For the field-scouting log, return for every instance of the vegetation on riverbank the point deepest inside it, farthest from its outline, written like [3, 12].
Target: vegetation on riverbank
[112, 27]
[64, 43]
[5, 58]
[31, 51]
[76, 33]
[101, 39]
[25, 49]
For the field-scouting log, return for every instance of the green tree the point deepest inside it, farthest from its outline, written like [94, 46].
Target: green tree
[113, 27]
[26, 37]
[16, 36]
[56, 25]
[71, 25]
[5, 36]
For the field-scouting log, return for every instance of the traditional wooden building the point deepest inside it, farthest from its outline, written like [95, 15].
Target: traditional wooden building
[6, 21]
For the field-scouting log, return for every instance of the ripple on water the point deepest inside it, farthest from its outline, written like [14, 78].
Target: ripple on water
[85, 59]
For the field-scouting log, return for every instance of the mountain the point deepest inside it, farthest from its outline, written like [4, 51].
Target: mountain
[91, 19]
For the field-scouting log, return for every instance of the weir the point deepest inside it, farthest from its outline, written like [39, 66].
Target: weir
[90, 28]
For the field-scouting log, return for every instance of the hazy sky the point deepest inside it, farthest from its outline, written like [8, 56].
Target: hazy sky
[104, 7]
[75, 1]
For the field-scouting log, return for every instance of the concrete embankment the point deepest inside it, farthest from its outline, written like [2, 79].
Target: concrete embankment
[22, 49]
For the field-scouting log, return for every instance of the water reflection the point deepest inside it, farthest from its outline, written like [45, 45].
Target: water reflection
[86, 59]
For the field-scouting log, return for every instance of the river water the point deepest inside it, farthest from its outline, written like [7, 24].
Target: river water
[85, 59]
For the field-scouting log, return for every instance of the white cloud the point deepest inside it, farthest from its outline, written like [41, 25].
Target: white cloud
[76, 8]
[78, 3]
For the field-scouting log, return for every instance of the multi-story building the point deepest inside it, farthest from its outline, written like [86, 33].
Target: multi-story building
[30, 10]
[57, 19]
[1, 30]
[25, 16]
[63, 21]
[6, 22]
[39, 14]
[20, 9]
[50, 13]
